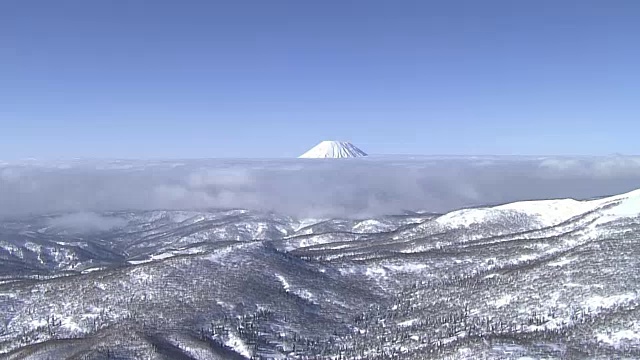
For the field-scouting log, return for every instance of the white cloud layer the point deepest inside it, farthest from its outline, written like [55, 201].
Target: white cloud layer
[81, 222]
[342, 188]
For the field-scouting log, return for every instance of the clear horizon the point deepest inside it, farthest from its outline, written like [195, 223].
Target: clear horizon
[370, 156]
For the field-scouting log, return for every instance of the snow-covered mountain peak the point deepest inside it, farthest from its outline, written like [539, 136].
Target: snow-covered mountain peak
[333, 150]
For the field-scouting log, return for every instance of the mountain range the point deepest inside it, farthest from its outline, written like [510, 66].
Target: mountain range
[532, 279]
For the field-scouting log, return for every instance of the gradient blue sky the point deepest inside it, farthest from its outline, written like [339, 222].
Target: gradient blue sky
[152, 79]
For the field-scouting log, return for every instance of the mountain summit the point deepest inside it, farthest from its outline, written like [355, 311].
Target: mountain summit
[333, 150]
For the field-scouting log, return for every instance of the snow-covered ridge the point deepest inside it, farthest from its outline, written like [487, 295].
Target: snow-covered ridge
[550, 212]
[333, 150]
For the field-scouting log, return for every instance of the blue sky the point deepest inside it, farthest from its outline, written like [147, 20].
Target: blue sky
[185, 79]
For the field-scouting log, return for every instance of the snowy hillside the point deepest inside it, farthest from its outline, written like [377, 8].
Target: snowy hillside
[549, 212]
[534, 279]
[333, 150]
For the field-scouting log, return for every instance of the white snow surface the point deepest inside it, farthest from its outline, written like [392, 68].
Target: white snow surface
[333, 150]
[284, 282]
[550, 212]
[503, 301]
[617, 337]
[235, 342]
[604, 302]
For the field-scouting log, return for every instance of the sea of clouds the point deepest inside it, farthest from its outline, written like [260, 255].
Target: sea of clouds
[307, 188]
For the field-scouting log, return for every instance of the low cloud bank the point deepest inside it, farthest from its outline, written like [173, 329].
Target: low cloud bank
[82, 222]
[333, 188]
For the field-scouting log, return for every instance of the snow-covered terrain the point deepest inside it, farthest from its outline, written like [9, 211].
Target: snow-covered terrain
[333, 150]
[532, 279]
[548, 212]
